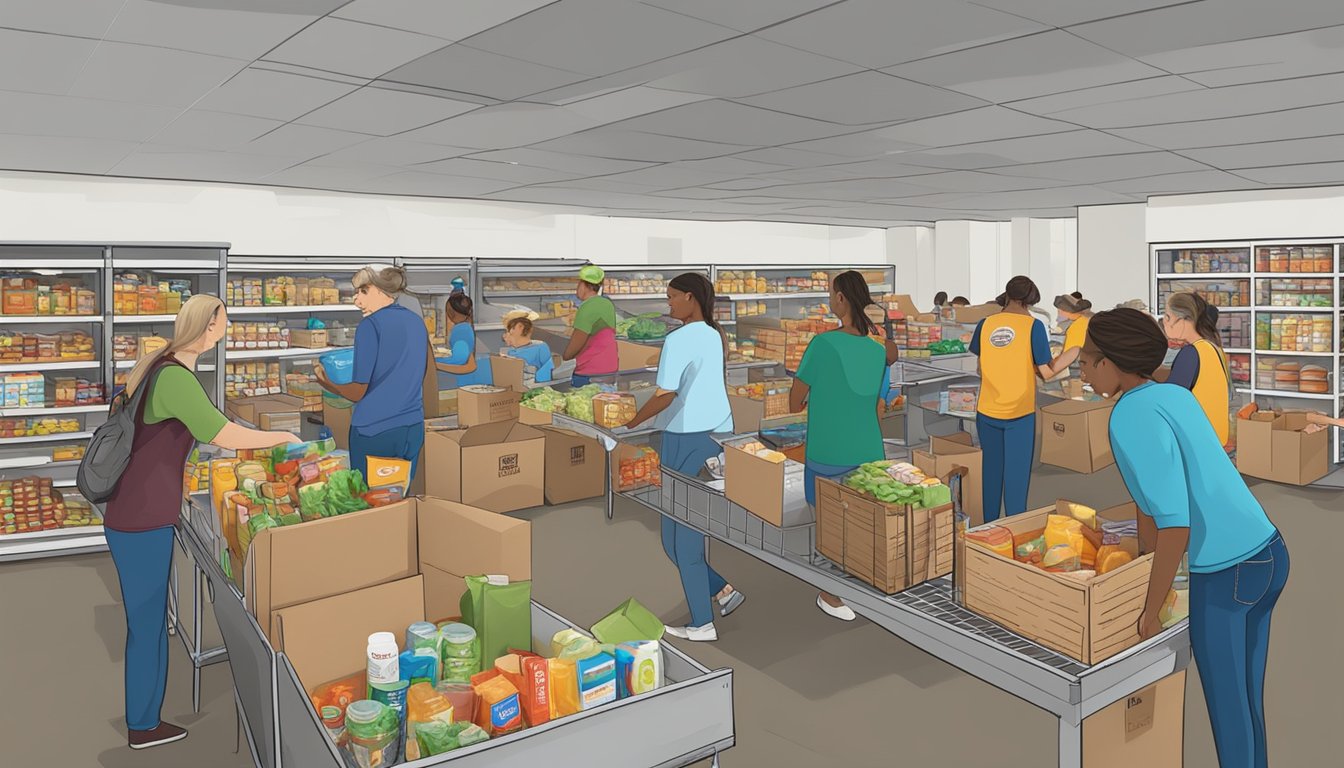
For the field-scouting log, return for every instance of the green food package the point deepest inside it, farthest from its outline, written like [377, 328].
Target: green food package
[293, 518]
[501, 613]
[438, 738]
[630, 622]
[937, 495]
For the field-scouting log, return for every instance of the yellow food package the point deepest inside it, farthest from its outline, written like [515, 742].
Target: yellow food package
[1085, 515]
[1087, 554]
[222, 480]
[564, 687]
[385, 473]
[1060, 529]
[426, 705]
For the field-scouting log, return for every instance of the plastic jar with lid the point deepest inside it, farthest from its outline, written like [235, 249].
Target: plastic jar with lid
[461, 653]
[333, 719]
[382, 655]
[373, 733]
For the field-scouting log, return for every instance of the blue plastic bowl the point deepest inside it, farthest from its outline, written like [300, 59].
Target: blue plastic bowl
[340, 365]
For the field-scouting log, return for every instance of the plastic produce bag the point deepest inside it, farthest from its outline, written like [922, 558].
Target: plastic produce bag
[629, 622]
[1061, 558]
[500, 612]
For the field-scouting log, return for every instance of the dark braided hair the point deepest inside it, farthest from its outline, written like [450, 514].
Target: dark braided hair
[461, 304]
[1132, 340]
[854, 288]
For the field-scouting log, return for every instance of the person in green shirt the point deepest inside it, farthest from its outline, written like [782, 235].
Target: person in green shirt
[594, 339]
[839, 381]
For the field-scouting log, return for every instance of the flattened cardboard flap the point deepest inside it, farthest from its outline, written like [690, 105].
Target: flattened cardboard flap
[1075, 407]
[465, 540]
[957, 442]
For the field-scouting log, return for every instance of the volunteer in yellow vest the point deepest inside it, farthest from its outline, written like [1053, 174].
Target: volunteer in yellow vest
[1200, 366]
[1014, 349]
[1077, 311]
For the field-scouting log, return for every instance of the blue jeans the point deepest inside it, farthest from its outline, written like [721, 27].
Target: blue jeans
[1009, 448]
[144, 560]
[1229, 633]
[577, 381]
[395, 443]
[813, 469]
[685, 546]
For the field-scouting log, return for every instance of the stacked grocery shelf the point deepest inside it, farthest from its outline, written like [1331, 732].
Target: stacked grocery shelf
[1280, 315]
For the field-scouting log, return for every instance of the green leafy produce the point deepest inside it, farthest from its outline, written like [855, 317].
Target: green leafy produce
[872, 479]
[579, 402]
[292, 518]
[345, 488]
[437, 738]
[313, 501]
[947, 347]
[544, 399]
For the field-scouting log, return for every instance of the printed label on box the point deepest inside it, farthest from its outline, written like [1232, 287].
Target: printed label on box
[508, 465]
[1139, 713]
[576, 455]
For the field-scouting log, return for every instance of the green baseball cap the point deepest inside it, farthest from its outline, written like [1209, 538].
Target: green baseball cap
[592, 273]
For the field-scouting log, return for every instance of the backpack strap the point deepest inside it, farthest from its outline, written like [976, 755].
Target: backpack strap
[139, 400]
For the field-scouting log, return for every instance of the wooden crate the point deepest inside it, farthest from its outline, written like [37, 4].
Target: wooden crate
[890, 546]
[1089, 622]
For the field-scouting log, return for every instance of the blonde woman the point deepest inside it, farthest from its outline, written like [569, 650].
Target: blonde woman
[387, 388]
[138, 520]
[1200, 366]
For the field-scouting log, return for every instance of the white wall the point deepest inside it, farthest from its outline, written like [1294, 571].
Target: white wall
[975, 259]
[290, 222]
[912, 252]
[1113, 262]
[1259, 215]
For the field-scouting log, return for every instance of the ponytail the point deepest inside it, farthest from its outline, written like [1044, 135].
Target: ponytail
[1203, 315]
[702, 292]
[854, 288]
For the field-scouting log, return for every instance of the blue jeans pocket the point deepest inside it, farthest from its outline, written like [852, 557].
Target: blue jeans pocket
[1252, 580]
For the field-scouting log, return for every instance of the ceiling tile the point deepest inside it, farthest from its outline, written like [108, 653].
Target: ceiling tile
[1296, 175]
[84, 18]
[1180, 183]
[1063, 13]
[974, 181]
[1028, 149]
[671, 176]
[351, 48]
[632, 145]
[744, 17]
[42, 115]
[315, 175]
[880, 33]
[984, 124]
[718, 70]
[864, 145]
[435, 185]
[1250, 61]
[239, 32]
[1060, 197]
[587, 166]
[41, 63]
[730, 123]
[152, 161]
[1193, 24]
[274, 95]
[302, 141]
[451, 21]
[1092, 170]
[865, 98]
[202, 129]
[630, 34]
[61, 154]
[503, 126]
[393, 152]
[1106, 94]
[465, 69]
[629, 102]
[1290, 152]
[383, 112]
[483, 169]
[1289, 124]
[1036, 65]
[145, 75]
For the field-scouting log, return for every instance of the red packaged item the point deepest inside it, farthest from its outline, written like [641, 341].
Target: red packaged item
[535, 690]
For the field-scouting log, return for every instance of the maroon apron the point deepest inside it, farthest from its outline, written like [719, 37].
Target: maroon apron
[149, 494]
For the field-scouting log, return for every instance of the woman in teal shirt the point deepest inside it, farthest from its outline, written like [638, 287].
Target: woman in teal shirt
[462, 365]
[691, 403]
[1190, 495]
[839, 380]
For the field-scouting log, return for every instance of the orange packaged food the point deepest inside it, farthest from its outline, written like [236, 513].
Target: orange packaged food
[338, 693]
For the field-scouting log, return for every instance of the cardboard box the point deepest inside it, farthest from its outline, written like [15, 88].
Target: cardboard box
[956, 450]
[337, 420]
[533, 417]
[906, 305]
[1075, 435]
[1272, 446]
[1088, 621]
[465, 541]
[446, 403]
[974, 313]
[747, 414]
[632, 356]
[890, 546]
[477, 408]
[575, 467]
[507, 371]
[753, 483]
[308, 338]
[500, 466]
[268, 412]
[1145, 728]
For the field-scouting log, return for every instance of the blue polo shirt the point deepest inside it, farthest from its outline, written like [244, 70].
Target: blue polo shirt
[1179, 474]
[538, 356]
[391, 352]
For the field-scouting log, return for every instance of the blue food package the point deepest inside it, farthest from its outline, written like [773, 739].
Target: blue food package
[419, 667]
[597, 680]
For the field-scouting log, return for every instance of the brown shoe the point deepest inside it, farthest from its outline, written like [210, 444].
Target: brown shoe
[166, 733]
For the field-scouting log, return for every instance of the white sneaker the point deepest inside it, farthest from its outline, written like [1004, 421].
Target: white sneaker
[731, 603]
[705, 634]
[843, 613]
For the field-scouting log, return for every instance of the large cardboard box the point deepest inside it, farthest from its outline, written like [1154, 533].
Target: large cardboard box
[337, 419]
[477, 408]
[956, 450]
[632, 356]
[264, 411]
[1088, 621]
[974, 313]
[308, 338]
[507, 371]
[1272, 446]
[747, 414]
[575, 466]
[754, 483]
[500, 466]
[1145, 728]
[1075, 435]
[892, 547]
[533, 417]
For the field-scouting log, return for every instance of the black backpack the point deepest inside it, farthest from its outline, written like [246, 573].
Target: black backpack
[110, 447]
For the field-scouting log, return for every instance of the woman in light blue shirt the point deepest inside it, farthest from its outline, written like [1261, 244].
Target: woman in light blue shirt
[461, 365]
[691, 403]
[1190, 494]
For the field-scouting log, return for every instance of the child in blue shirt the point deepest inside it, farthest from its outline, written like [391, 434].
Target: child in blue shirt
[518, 342]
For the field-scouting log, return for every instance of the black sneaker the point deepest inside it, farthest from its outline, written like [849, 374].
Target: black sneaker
[166, 733]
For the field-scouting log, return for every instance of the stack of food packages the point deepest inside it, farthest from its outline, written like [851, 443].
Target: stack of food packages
[36, 426]
[1061, 547]
[1239, 368]
[730, 281]
[251, 378]
[640, 283]
[134, 293]
[1296, 259]
[799, 333]
[774, 394]
[1229, 293]
[1297, 293]
[304, 384]
[68, 452]
[196, 474]
[31, 504]
[283, 291]
[497, 284]
[66, 346]
[71, 391]
[922, 335]
[26, 296]
[613, 409]
[442, 689]
[1203, 262]
[291, 484]
[749, 309]
[1294, 333]
[257, 336]
[892, 482]
[1292, 376]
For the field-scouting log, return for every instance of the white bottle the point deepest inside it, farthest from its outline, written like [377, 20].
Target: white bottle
[382, 653]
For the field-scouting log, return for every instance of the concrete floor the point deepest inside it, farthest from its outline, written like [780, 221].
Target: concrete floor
[809, 690]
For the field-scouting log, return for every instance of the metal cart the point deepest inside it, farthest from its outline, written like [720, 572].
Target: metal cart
[927, 617]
